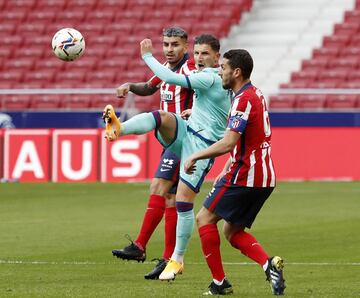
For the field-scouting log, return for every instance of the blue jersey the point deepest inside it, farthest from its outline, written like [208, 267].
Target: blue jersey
[211, 103]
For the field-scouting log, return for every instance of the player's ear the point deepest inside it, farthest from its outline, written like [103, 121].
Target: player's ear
[237, 72]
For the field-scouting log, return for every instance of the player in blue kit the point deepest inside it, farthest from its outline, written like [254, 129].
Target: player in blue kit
[205, 126]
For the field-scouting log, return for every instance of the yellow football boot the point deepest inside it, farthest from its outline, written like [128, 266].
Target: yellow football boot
[113, 124]
[171, 269]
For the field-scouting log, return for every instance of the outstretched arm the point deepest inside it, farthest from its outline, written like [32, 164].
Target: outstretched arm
[193, 81]
[142, 89]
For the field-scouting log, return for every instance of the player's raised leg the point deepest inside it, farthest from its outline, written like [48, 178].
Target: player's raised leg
[164, 122]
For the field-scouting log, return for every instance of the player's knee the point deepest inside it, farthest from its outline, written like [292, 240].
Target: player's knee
[170, 200]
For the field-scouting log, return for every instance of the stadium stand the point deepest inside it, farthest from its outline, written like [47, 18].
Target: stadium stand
[112, 30]
[295, 55]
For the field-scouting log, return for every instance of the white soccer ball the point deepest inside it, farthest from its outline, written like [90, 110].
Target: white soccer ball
[68, 44]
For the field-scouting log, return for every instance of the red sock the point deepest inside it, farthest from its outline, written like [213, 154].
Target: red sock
[170, 231]
[152, 217]
[210, 242]
[249, 246]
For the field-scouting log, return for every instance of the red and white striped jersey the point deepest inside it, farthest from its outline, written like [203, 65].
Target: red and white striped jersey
[251, 160]
[176, 99]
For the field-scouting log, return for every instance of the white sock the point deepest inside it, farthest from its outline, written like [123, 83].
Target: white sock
[218, 283]
[265, 265]
[177, 258]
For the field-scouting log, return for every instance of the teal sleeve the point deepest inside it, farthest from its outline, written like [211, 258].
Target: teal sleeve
[199, 80]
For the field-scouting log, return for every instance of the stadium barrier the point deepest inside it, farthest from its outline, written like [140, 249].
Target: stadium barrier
[83, 155]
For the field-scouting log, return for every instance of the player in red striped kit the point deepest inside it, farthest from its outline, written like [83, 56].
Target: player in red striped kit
[177, 100]
[246, 182]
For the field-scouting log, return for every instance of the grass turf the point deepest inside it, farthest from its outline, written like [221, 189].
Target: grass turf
[56, 241]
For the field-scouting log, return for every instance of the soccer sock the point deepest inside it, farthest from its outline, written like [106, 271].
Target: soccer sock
[141, 123]
[210, 243]
[152, 217]
[184, 228]
[170, 231]
[249, 246]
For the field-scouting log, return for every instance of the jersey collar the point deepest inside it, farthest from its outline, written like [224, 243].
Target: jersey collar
[243, 88]
[181, 63]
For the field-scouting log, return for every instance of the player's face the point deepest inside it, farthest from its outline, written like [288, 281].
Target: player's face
[205, 56]
[174, 49]
[227, 74]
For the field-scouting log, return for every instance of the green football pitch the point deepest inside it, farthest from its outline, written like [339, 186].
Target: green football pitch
[56, 241]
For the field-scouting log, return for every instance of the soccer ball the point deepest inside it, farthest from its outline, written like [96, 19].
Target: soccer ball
[68, 44]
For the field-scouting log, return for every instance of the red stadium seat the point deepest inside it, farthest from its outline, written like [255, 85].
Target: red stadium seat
[17, 15]
[141, 5]
[352, 16]
[102, 100]
[53, 5]
[350, 51]
[105, 15]
[161, 16]
[346, 28]
[76, 101]
[314, 102]
[44, 64]
[355, 41]
[13, 75]
[32, 27]
[6, 51]
[75, 16]
[46, 75]
[282, 102]
[325, 53]
[101, 75]
[43, 15]
[70, 76]
[341, 101]
[117, 5]
[123, 53]
[45, 102]
[315, 64]
[333, 75]
[20, 63]
[16, 102]
[119, 28]
[335, 41]
[348, 63]
[28, 4]
[81, 5]
[7, 28]
[129, 16]
[116, 64]
[171, 4]
[305, 75]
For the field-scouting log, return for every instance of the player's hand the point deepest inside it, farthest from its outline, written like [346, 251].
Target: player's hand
[122, 90]
[146, 46]
[186, 114]
[190, 166]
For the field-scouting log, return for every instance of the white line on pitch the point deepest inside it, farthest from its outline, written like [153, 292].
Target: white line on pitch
[188, 263]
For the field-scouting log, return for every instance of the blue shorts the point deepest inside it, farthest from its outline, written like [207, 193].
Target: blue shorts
[238, 205]
[168, 168]
[185, 143]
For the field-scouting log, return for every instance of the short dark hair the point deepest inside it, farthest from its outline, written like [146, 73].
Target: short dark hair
[240, 58]
[175, 32]
[208, 39]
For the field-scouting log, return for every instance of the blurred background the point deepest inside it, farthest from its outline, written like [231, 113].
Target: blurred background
[307, 63]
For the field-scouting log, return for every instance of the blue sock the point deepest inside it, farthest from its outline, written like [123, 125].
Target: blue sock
[184, 228]
[141, 124]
